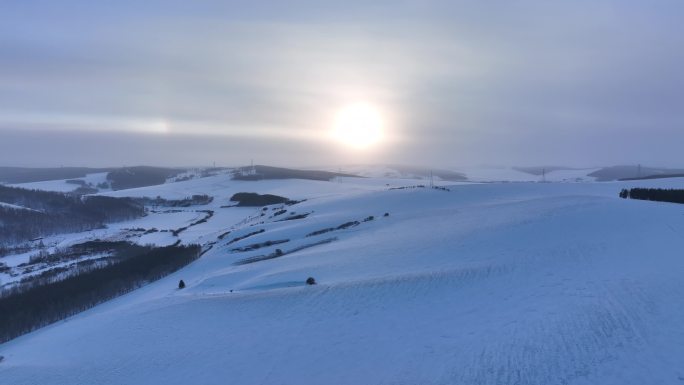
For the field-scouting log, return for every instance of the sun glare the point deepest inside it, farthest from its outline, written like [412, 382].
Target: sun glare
[358, 126]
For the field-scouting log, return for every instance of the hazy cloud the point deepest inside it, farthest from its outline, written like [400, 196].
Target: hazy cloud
[460, 82]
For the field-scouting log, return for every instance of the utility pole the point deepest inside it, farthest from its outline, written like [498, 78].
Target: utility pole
[639, 171]
[543, 175]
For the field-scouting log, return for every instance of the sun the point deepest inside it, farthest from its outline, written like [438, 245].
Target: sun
[358, 125]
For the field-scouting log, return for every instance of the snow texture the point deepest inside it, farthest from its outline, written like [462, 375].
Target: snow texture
[493, 283]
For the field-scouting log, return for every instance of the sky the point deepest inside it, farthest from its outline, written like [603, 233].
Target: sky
[578, 83]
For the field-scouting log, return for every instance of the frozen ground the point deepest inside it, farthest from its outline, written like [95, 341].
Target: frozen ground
[496, 283]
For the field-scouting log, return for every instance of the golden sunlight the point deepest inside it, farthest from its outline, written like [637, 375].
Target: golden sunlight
[358, 125]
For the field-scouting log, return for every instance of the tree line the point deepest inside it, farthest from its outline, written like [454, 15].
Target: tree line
[654, 194]
[38, 303]
[48, 212]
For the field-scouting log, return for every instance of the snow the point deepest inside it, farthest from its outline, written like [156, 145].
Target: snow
[494, 283]
[61, 185]
[15, 207]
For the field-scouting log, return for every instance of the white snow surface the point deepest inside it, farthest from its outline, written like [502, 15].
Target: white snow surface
[496, 283]
[61, 185]
[15, 207]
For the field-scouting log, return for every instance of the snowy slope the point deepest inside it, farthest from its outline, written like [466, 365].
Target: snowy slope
[525, 283]
[61, 185]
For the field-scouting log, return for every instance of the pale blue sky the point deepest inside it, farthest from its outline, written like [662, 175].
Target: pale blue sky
[576, 83]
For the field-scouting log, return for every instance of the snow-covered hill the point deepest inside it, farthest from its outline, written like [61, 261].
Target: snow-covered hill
[496, 283]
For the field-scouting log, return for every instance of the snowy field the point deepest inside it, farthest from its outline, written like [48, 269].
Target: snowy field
[61, 185]
[492, 283]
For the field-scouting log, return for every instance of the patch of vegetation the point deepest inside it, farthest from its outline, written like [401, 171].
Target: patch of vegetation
[256, 246]
[279, 253]
[209, 214]
[30, 306]
[84, 190]
[340, 227]
[246, 199]
[52, 212]
[237, 239]
[654, 194]
[195, 200]
[294, 217]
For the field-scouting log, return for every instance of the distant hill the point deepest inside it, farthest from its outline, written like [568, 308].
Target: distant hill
[625, 172]
[448, 175]
[404, 172]
[269, 172]
[539, 170]
[657, 176]
[12, 175]
[140, 176]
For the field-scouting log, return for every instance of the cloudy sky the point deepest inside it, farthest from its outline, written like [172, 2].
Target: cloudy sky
[108, 83]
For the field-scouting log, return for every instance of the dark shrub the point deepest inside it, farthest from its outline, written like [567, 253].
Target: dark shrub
[181, 284]
[386, 215]
[310, 281]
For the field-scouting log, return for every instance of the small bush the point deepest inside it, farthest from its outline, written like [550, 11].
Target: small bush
[310, 281]
[181, 284]
[386, 215]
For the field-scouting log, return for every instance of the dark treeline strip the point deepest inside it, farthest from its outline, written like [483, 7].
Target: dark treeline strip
[54, 213]
[209, 214]
[343, 226]
[237, 239]
[29, 307]
[256, 246]
[279, 253]
[195, 200]
[654, 194]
